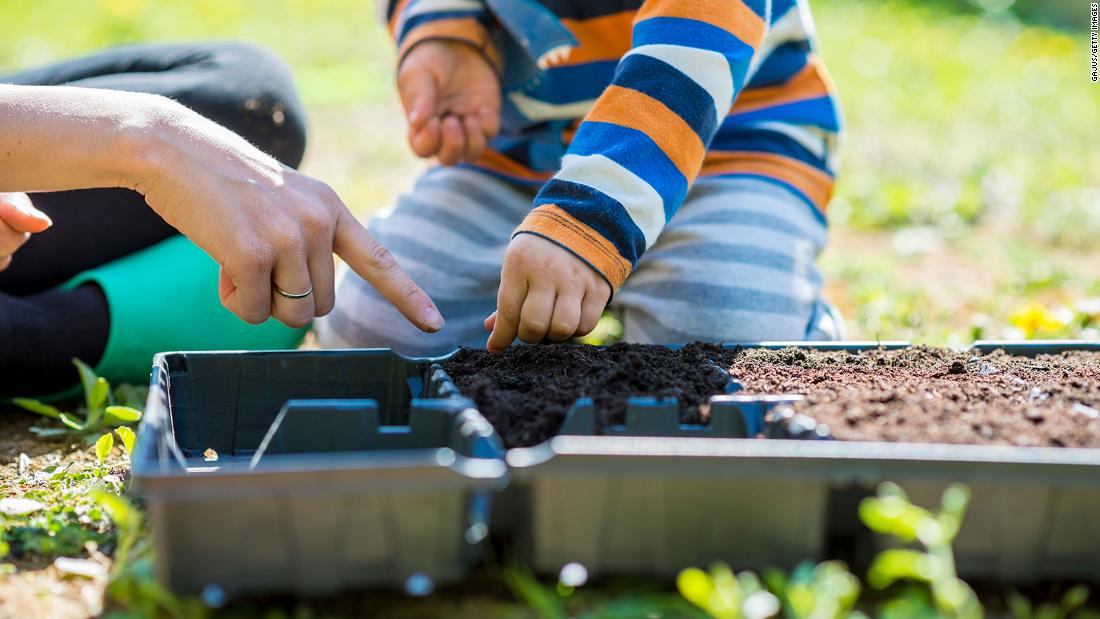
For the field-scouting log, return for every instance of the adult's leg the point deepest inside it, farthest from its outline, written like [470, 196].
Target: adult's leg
[239, 86]
[449, 233]
[736, 264]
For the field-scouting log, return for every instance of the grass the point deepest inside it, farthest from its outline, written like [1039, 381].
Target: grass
[967, 206]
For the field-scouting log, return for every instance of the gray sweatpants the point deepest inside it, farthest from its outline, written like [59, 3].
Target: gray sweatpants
[736, 264]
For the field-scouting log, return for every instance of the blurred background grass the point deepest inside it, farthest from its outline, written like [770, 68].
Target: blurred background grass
[969, 199]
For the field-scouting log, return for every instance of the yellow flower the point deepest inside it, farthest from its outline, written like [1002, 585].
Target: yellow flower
[1036, 318]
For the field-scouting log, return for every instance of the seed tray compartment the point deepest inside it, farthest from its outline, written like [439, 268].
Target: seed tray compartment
[333, 470]
[617, 508]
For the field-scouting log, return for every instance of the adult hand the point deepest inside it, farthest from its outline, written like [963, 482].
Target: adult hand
[545, 292]
[269, 227]
[451, 96]
[18, 220]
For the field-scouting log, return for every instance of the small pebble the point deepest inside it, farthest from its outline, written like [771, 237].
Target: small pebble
[987, 369]
[1037, 394]
[1086, 410]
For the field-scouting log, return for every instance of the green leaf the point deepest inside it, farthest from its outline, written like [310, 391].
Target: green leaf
[696, 586]
[98, 400]
[898, 564]
[88, 379]
[122, 414]
[127, 435]
[1074, 599]
[1018, 604]
[103, 447]
[72, 422]
[35, 406]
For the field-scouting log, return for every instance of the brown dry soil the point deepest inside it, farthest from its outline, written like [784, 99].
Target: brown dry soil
[918, 394]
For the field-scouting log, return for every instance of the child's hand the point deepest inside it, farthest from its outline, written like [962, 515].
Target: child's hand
[545, 292]
[452, 98]
[18, 220]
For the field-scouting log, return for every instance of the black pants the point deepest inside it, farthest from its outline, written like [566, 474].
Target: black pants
[240, 87]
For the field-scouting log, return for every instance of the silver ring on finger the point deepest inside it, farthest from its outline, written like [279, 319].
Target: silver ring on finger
[293, 295]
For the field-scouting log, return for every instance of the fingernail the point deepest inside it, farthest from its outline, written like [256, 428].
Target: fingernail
[433, 319]
[30, 211]
[414, 116]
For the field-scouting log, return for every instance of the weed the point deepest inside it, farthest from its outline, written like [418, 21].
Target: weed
[103, 408]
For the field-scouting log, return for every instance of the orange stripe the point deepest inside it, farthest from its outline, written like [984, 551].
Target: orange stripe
[636, 110]
[733, 16]
[809, 83]
[815, 184]
[465, 29]
[600, 38]
[494, 160]
[552, 222]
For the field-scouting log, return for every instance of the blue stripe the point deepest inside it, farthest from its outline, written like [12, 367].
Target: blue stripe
[741, 254]
[781, 65]
[819, 112]
[598, 211]
[700, 35]
[637, 152]
[420, 20]
[572, 83]
[670, 86]
[733, 138]
[781, 8]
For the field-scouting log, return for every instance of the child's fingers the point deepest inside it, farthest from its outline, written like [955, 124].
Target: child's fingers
[419, 94]
[425, 143]
[535, 317]
[490, 121]
[450, 152]
[17, 211]
[490, 322]
[591, 310]
[567, 317]
[513, 290]
[475, 138]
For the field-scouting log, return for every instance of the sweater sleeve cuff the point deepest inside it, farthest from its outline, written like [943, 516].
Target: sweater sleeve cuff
[463, 29]
[553, 223]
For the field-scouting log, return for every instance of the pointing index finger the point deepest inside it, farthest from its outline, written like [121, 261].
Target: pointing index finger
[375, 264]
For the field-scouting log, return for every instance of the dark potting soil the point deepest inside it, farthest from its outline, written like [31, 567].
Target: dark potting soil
[526, 391]
[913, 395]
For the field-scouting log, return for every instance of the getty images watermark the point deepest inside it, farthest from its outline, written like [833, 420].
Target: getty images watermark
[1094, 8]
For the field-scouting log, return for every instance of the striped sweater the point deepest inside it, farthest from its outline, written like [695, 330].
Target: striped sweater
[614, 107]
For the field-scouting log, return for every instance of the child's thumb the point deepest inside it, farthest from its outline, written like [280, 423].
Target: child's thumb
[19, 213]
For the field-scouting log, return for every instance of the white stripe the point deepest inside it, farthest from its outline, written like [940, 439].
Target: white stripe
[789, 28]
[709, 69]
[811, 138]
[437, 6]
[535, 109]
[639, 198]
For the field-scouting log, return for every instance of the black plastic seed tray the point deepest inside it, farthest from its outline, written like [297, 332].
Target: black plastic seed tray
[312, 472]
[350, 468]
[654, 498]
